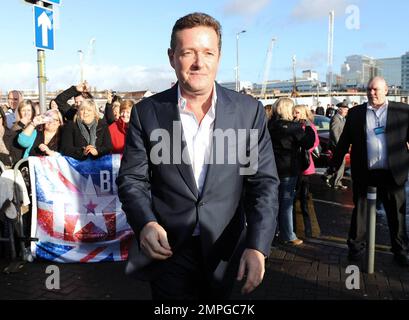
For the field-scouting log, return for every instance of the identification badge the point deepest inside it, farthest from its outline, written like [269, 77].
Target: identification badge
[379, 130]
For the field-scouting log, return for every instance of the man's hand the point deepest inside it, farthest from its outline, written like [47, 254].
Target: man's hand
[83, 87]
[251, 265]
[154, 241]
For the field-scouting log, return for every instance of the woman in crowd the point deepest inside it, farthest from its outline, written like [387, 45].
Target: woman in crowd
[24, 115]
[111, 112]
[288, 137]
[87, 135]
[303, 115]
[118, 128]
[53, 105]
[9, 155]
[41, 137]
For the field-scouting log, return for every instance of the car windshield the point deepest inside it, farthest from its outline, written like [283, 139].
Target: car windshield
[321, 123]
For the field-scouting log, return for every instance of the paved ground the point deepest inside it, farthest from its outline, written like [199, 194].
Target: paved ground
[313, 271]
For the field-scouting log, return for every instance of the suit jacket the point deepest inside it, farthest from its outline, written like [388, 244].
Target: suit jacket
[397, 135]
[167, 193]
[337, 124]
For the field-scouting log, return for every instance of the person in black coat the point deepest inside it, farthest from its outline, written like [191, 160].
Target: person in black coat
[79, 93]
[288, 137]
[86, 136]
[9, 152]
[378, 134]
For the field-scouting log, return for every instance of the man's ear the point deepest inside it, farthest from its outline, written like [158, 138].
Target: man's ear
[171, 54]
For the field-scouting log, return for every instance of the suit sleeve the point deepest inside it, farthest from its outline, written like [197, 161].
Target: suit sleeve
[336, 129]
[133, 177]
[343, 144]
[261, 191]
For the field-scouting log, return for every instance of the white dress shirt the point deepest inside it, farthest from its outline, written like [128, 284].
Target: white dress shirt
[375, 137]
[198, 137]
[199, 140]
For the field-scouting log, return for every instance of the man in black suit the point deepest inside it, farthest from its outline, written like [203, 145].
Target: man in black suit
[378, 132]
[200, 218]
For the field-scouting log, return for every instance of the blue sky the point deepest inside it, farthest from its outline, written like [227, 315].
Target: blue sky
[125, 41]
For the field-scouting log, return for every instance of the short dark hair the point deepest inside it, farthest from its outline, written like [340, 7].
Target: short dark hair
[196, 19]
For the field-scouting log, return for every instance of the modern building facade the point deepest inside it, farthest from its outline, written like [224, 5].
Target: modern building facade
[405, 72]
[358, 70]
[391, 70]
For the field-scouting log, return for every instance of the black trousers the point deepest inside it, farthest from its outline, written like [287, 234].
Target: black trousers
[185, 277]
[393, 198]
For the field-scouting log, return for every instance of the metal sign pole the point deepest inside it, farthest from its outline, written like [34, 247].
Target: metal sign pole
[42, 79]
[371, 229]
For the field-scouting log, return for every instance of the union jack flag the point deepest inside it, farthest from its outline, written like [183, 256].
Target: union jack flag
[76, 212]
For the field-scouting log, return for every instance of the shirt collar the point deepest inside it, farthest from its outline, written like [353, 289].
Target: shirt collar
[371, 107]
[182, 102]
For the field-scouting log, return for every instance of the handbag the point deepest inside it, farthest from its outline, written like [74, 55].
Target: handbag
[316, 152]
[304, 159]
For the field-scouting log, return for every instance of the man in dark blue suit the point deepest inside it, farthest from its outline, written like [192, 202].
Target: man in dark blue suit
[378, 133]
[198, 180]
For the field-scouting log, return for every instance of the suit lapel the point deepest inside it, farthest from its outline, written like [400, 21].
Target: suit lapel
[225, 119]
[168, 114]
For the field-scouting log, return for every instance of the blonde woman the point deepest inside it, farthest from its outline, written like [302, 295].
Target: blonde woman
[303, 115]
[87, 135]
[287, 137]
[24, 115]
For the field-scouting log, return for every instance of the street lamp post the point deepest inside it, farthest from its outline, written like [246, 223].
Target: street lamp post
[237, 60]
[81, 66]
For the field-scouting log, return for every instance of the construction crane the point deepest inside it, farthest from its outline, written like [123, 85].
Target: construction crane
[330, 50]
[294, 93]
[267, 67]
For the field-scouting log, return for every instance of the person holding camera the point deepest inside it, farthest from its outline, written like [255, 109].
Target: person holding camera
[112, 112]
[41, 137]
[79, 93]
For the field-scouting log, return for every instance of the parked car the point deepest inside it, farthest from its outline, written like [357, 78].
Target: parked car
[322, 124]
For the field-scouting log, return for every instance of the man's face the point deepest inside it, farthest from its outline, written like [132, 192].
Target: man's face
[13, 100]
[78, 100]
[343, 111]
[196, 59]
[377, 91]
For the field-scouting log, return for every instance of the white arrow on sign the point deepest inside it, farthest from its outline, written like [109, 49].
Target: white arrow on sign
[45, 23]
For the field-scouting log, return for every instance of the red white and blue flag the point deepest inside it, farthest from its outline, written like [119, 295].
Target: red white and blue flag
[76, 214]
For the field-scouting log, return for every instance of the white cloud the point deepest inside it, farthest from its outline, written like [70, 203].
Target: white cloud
[316, 9]
[314, 61]
[23, 76]
[245, 8]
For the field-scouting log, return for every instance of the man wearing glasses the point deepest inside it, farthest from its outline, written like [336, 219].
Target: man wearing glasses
[14, 97]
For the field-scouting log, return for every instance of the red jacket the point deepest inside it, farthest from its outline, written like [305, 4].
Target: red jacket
[118, 132]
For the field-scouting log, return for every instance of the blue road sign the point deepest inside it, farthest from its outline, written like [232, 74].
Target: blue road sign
[43, 28]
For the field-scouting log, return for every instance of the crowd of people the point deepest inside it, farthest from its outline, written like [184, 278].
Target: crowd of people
[79, 130]
[200, 226]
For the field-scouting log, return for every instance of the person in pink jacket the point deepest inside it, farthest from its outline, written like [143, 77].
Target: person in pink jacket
[303, 114]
